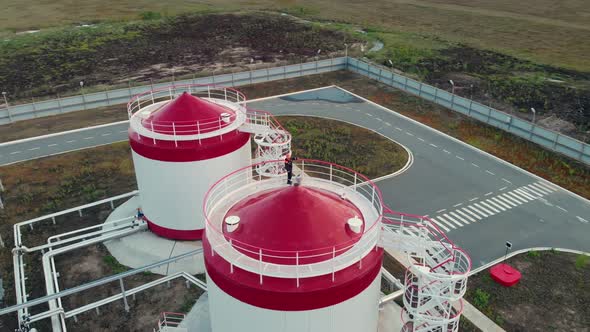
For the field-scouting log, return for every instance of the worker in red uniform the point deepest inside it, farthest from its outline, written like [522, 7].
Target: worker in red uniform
[289, 167]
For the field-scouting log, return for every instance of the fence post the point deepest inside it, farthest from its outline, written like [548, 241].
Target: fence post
[471, 104]
[124, 295]
[106, 93]
[532, 131]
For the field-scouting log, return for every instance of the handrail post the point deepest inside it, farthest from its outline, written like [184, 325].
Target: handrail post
[297, 267]
[174, 132]
[333, 260]
[225, 93]
[209, 91]
[231, 264]
[170, 92]
[124, 295]
[152, 125]
[260, 263]
[330, 172]
[199, 131]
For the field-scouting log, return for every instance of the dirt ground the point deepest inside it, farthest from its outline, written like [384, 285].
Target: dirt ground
[553, 294]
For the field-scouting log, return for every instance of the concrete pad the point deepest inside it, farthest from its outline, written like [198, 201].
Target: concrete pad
[198, 319]
[390, 317]
[145, 248]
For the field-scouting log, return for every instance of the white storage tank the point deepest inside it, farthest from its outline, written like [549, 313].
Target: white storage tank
[293, 258]
[184, 138]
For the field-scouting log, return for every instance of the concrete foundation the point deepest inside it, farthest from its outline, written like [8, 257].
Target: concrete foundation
[145, 248]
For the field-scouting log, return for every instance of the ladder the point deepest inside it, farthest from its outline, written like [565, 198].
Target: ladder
[170, 322]
[272, 140]
[436, 278]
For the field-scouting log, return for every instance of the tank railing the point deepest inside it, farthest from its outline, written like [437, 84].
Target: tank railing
[267, 119]
[321, 172]
[170, 319]
[210, 92]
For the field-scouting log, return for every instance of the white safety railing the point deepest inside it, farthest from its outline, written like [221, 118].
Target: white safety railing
[20, 248]
[154, 99]
[302, 263]
[272, 140]
[436, 279]
[169, 320]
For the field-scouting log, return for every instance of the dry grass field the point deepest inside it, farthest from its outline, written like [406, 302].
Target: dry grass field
[545, 31]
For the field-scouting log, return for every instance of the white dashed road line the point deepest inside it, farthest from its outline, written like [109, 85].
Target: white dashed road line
[506, 181]
[441, 210]
[420, 139]
[409, 133]
[72, 141]
[446, 151]
[562, 209]
[15, 152]
[460, 158]
[91, 137]
[434, 146]
[488, 194]
[475, 165]
[50, 145]
[106, 134]
[456, 205]
[33, 149]
[490, 173]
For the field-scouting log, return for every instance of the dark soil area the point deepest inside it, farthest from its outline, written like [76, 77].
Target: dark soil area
[553, 294]
[53, 62]
[511, 84]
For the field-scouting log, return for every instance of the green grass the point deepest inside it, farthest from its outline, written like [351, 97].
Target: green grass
[114, 264]
[582, 261]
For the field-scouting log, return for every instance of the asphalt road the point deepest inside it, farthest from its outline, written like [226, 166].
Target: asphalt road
[479, 200]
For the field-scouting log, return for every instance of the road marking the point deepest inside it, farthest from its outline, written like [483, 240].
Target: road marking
[378, 119]
[434, 146]
[525, 194]
[441, 210]
[488, 212]
[52, 145]
[475, 165]
[459, 217]
[498, 201]
[533, 190]
[15, 152]
[368, 114]
[106, 134]
[453, 220]
[446, 222]
[123, 131]
[465, 215]
[420, 139]
[474, 199]
[506, 181]
[507, 201]
[517, 198]
[459, 158]
[91, 137]
[510, 199]
[488, 194]
[457, 204]
[446, 151]
[490, 172]
[562, 209]
[477, 212]
[409, 133]
[440, 225]
[72, 141]
[548, 186]
[582, 219]
[492, 204]
[541, 188]
[503, 188]
[388, 124]
[472, 213]
[489, 206]
[33, 149]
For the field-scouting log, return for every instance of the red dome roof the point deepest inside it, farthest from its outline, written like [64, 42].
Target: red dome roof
[185, 111]
[294, 218]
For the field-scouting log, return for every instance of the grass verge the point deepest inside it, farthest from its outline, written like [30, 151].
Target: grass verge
[551, 296]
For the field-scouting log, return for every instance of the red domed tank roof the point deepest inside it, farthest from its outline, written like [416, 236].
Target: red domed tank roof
[293, 219]
[185, 111]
